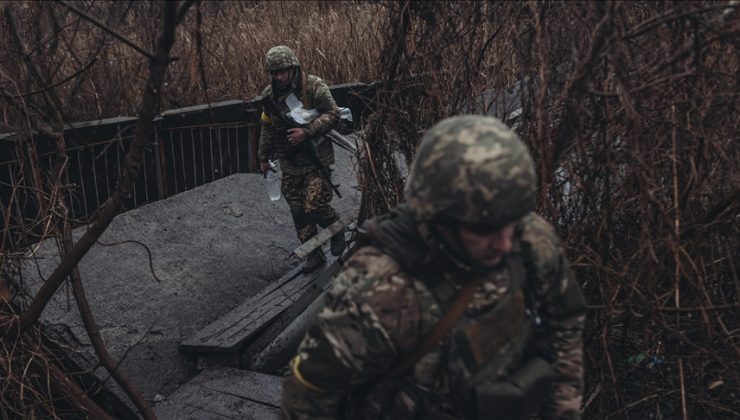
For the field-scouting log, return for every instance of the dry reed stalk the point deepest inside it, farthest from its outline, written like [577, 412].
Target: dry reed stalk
[630, 128]
[20, 327]
[628, 108]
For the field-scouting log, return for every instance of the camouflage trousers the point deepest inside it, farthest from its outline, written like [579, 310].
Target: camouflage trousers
[308, 196]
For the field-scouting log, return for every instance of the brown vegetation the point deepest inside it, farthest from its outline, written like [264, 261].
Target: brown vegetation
[41, 388]
[219, 52]
[630, 110]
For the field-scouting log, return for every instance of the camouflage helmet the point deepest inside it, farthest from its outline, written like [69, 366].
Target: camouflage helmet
[280, 58]
[474, 170]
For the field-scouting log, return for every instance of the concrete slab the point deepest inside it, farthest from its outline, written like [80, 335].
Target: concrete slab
[211, 248]
[224, 393]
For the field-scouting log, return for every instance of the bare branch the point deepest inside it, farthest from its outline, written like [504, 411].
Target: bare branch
[107, 29]
[150, 100]
[94, 334]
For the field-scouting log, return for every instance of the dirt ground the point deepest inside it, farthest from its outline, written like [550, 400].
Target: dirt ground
[211, 248]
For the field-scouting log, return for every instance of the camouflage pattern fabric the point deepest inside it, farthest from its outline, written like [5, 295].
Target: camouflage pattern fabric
[384, 301]
[273, 142]
[308, 197]
[450, 178]
[469, 171]
[308, 194]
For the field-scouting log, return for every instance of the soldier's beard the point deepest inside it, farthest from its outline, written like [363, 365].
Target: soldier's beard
[491, 260]
[282, 85]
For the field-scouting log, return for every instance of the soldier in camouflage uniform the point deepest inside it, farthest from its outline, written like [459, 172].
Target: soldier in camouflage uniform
[307, 192]
[467, 218]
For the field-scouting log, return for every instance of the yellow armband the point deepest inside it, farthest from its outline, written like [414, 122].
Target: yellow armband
[265, 119]
[297, 374]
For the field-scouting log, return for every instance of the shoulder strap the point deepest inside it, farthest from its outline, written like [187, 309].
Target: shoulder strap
[519, 281]
[440, 329]
[453, 314]
[305, 89]
[516, 266]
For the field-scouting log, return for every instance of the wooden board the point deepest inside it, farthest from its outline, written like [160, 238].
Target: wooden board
[224, 393]
[281, 322]
[234, 331]
[323, 236]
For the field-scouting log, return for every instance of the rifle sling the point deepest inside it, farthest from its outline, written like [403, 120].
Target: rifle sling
[453, 314]
[305, 99]
[440, 329]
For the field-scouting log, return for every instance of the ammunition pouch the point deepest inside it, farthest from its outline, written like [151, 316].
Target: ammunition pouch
[516, 397]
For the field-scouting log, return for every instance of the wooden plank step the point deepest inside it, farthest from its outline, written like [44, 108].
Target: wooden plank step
[323, 236]
[233, 331]
[224, 393]
[281, 322]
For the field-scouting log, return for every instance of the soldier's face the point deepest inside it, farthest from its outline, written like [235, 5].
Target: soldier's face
[487, 248]
[283, 77]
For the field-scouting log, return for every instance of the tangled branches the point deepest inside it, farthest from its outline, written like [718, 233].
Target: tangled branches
[20, 338]
[630, 110]
[35, 384]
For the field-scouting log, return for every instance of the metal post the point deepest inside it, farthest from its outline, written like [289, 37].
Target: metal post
[146, 178]
[82, 183]
[202, 158]
[253, 140]
[238, 155]
[210, 146]
[174, 162]
[182, 162]
[95, 176]
[195, 165]
[220, 154]
[228, 150]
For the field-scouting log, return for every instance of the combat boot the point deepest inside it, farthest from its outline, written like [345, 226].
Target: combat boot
[337, 243]
[315, 260]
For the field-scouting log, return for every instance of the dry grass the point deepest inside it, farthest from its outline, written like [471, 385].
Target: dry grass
[220, 49]
[630, 110]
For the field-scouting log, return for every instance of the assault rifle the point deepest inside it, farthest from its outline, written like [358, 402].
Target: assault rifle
[308, 146]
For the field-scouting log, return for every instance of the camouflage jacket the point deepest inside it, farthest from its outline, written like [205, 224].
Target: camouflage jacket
[273, 141]
[384, 301]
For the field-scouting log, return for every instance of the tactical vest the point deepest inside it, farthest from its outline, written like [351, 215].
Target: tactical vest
[294, 160]
[488, 343]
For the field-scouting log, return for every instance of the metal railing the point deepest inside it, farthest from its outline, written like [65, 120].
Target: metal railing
[179, 157]
[191, 156]
[191, 147]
